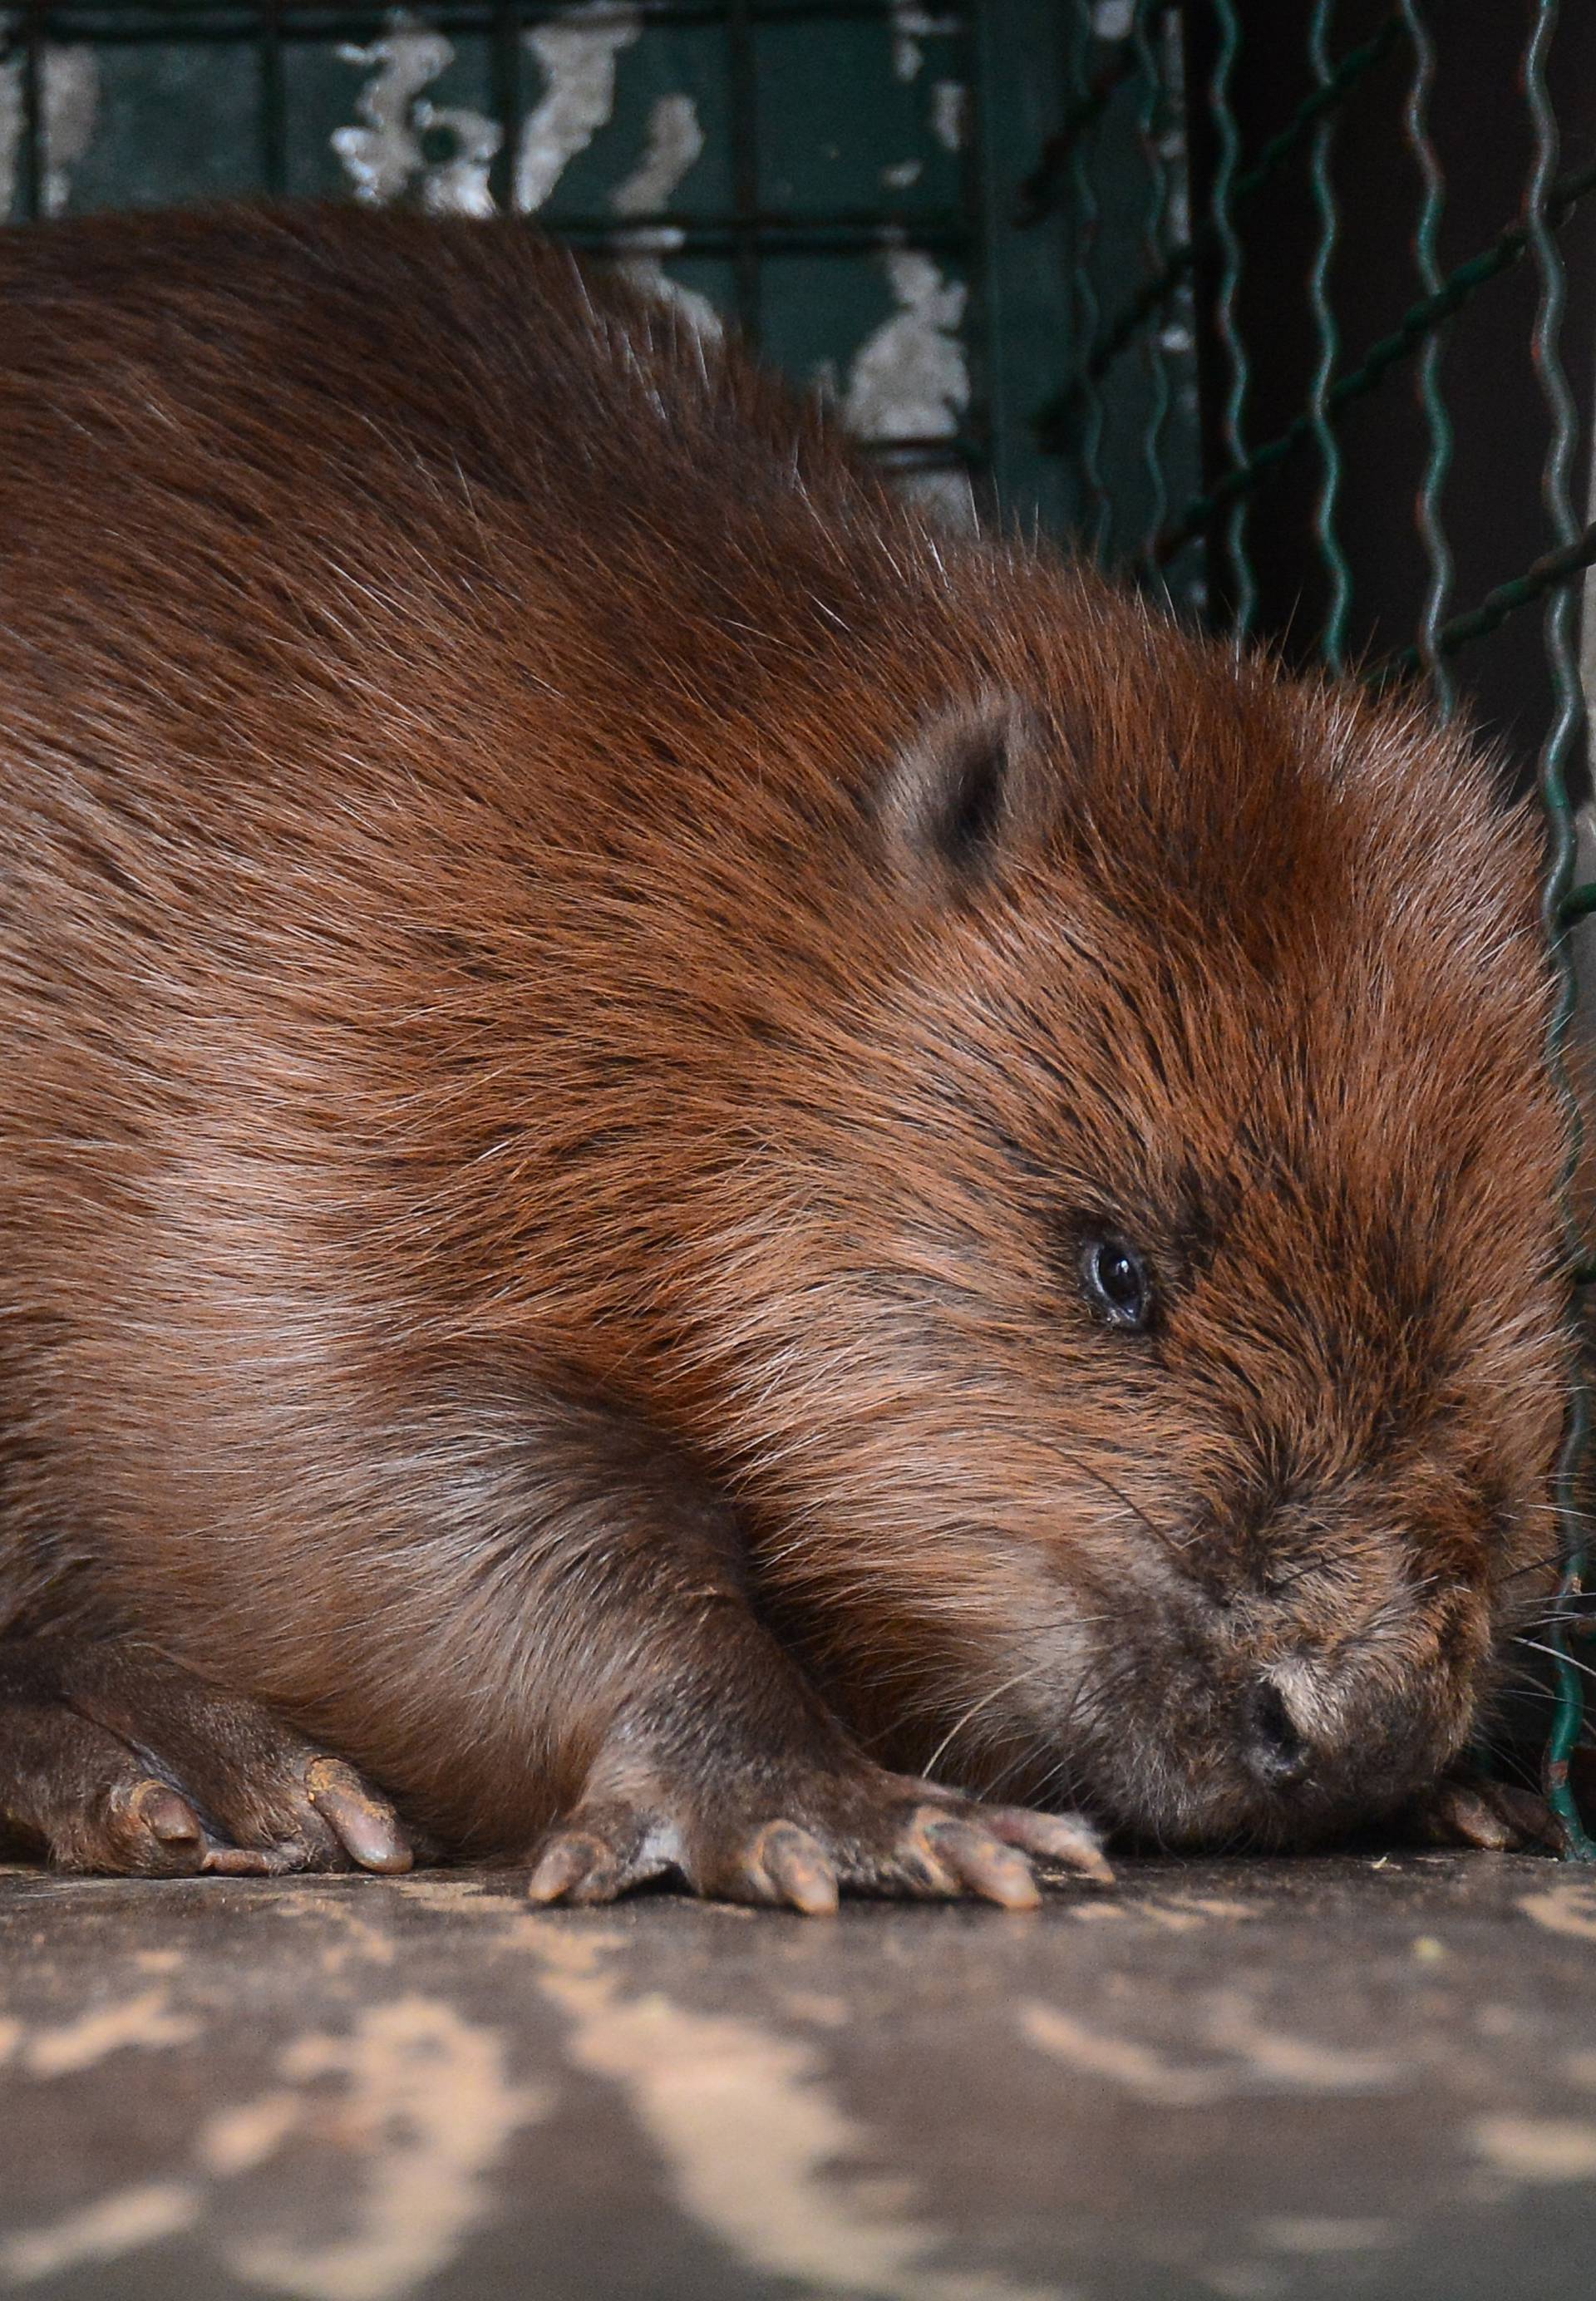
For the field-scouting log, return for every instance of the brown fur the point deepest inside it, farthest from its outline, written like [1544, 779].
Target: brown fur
[538, 1146]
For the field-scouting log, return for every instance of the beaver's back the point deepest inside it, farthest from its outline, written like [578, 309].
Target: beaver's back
[411, 662]
[322, 449]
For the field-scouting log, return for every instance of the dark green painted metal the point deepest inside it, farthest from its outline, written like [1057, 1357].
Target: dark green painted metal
[743, 83]
[1020, 76]
[273, 99]
[1203, 237]
[30, 186]
[1244, 597]
[1414, 329]
[1332, 638]
[973, 157]
[1415, 120]
[1085, 216]
[1547, 573]
[508, 83]
[202, 100]
[1153, 127]
[125, 23]
[1553, 779]
[1045, 188]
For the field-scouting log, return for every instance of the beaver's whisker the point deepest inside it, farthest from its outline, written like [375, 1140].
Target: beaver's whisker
[992, 1695]
[1573, 1661]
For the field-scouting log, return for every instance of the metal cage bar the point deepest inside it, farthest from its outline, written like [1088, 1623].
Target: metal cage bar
[1332, 637]
[1156, 290]
[1152, 127]
[1085, 217]
[1238, 571]
[1427, 515]
[1413, 330]
[1553, 779]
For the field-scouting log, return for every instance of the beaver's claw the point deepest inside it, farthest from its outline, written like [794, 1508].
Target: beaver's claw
[866, 1831]
[1495, 1817]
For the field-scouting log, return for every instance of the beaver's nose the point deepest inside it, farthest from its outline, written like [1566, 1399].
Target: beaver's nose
[1275, 1752]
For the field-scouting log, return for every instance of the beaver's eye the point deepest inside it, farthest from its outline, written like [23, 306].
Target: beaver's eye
[1115, 1282]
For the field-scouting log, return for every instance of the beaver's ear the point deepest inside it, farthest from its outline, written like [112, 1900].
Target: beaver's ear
[963, 799]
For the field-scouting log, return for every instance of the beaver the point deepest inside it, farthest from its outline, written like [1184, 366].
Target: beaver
[693, 1181]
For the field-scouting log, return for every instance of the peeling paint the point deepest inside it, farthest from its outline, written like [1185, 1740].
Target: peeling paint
[146, 2021]
[1298, 2061]
[948, 99]
[386, 157]
[1323, 2233]
[910, 378]
[69, 100]
[674, 148]
[111, 2226]
[910, 24]
[1539, 2149]
[459, 186]
[1564, 1909]
[425, 2114]
[1264, 2060]
[1139, 2070]
[749, 2133]
[381, 157]
[576, 52]
[237, 2140]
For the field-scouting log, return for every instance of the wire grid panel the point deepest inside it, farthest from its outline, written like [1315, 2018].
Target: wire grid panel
[1124, 421]
[1375, 268]
[807, 171]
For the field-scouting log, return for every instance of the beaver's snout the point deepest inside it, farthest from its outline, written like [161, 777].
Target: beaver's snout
[1320, 1752]
[1280, 1721]
[1315, 1738]
[1274, 1748]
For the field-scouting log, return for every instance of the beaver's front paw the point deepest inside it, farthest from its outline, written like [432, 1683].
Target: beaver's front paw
[112, 1758]
[802, 1841]
[1468, 1810]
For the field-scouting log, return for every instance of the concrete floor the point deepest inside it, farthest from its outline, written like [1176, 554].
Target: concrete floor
[1246, 2078]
